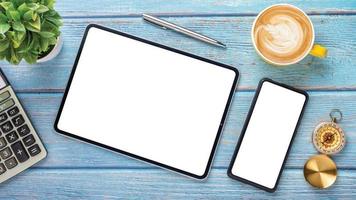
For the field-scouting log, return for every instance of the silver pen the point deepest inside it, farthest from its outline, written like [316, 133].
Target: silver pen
[168, 25]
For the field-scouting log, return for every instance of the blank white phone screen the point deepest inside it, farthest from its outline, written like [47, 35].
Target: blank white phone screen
[147, 101]
[268, 134]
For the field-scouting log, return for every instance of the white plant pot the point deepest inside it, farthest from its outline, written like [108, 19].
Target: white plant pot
[55, 51]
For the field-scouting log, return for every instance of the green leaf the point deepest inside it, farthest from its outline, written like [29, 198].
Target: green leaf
[55, 21]
[50, 3]
[28, 15]
[42, 9]
[2, 55]
[51, 13]
[18, 26]
[21, 35]
[15, 15]
[46, 34]
[2, 37]
[4, 45]
[30, 28]
[23, 8]
[16, 38]
[34, 26]
[6, 5]
[26, 45]
[3, 18]
[52, 40]
[35, 43]
[14, 59]
[34, 16]
[4, 28]
[36, 23]
[33, 6]
[9, 13]
[48, 26]
[18, 2]
[44, 44]
[30, 58]
[6, 55]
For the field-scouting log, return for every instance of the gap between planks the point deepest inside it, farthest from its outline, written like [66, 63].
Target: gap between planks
[151, 167]
[242, 89]
[330, 12]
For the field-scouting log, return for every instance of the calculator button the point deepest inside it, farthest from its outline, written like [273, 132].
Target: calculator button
[7, 104]
[6, 127]
[23, 130]
[11, 163]
[34, 150]
[12, 137]
[4, 96]
[29, 140]
[18, 120]
[4, 154]
[3, 117]
[2, 143]
[13, 111]
[2, 168]
[20, 152]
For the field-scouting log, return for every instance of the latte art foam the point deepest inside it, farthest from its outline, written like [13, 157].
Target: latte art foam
[283, 34]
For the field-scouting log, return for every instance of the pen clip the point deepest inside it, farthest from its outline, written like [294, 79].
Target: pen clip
[168, 25]
[154, 24]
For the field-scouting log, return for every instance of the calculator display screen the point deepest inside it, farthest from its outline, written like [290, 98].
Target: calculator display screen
[3, 81]
[147, 102]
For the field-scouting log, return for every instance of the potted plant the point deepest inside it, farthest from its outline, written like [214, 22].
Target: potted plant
[29, 30]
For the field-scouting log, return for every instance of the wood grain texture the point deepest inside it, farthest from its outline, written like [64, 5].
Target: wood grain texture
[43, 107]
[337, 72]
[158, 184]
[75, 170]
[194, 7]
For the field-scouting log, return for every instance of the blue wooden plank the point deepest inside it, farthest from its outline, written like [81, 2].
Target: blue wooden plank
[335, 72]
[126, 178]
[67, 153]
[158, 184]
[189, 7]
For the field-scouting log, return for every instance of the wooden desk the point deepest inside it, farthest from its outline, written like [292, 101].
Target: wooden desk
[74, 170]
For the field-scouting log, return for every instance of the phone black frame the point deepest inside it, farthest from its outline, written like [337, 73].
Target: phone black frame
[229, 172]
[232, 90]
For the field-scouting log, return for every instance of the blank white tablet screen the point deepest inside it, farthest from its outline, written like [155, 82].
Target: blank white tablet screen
[268, 134]
[147, 101]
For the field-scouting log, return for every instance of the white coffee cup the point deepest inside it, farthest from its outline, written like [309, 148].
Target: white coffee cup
[300, 19]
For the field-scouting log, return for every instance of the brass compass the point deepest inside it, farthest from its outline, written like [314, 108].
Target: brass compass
[320, 171]
[328, 137]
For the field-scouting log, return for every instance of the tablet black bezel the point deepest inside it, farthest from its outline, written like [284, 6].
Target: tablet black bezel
[229, 172]
[130, 154]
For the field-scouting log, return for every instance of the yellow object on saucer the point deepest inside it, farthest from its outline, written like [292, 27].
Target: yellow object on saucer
[319, 51]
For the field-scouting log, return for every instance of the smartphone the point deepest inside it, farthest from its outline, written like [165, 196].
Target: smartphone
[267, 135]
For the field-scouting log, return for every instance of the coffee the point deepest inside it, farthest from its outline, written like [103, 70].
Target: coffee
[283, 34]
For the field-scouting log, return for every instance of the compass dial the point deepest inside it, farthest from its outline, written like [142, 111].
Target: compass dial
[329, 138]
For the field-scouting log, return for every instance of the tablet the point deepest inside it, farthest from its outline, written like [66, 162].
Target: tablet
[268, 134]
[147, 101]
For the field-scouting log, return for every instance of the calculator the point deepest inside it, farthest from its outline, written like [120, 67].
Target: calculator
[20, 146]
